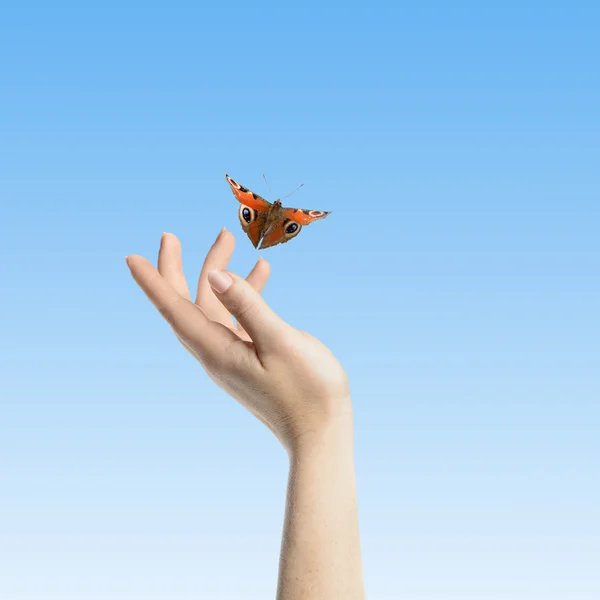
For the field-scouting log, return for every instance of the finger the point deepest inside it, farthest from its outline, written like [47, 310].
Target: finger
[257, 278]
[217, 258]
[259, 275]
[170, 264]
[209, 340]
[264, 326]
[171, 269]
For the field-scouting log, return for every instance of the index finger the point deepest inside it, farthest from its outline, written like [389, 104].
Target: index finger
[209, 339]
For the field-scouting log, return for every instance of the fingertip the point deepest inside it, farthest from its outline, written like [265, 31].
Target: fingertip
[135, 263]
[166, 235]
[224, 236]
[134, 259]
[219, 281]
[261, 262]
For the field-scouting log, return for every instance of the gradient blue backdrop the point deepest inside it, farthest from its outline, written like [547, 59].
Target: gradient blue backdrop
[457, 145]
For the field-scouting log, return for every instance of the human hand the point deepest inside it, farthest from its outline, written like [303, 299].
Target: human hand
[285, 377]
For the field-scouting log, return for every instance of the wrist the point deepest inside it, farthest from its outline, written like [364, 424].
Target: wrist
[331, 440]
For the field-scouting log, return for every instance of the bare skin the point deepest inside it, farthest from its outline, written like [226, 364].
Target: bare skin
[295, 386]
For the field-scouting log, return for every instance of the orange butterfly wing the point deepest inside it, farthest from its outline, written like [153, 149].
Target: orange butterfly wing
[289, 227]
[245, 196]
[253, 230]
[302, 216]
[276, 235]
[282, 226]
[253, 210]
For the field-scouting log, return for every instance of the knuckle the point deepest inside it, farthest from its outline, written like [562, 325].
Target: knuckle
[287, 341]
[219, 365]
[212, 364]
[246, 309]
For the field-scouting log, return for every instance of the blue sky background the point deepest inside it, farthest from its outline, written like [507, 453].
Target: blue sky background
[456, 280]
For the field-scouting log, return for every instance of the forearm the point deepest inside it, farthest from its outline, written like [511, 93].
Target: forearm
[320, 557]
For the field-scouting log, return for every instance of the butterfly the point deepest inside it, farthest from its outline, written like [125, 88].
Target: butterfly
[270, 224]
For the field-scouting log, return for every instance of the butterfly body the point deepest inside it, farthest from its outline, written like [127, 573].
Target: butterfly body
[267, 224]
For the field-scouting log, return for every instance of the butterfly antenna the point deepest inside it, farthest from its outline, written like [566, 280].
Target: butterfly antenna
[294, 191]
[265, 178]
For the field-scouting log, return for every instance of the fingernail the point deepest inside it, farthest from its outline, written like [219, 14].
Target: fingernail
[127, 260]
[221, 232]
[219, 281]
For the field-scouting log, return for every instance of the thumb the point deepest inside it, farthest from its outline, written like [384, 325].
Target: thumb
[264, 326]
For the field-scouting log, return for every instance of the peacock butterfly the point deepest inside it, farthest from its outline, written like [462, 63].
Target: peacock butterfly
[270, 224]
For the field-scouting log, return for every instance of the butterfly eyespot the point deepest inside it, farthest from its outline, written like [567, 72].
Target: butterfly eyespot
[291, 228]
[315, 213]
[246, 213]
